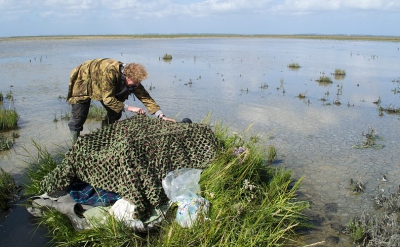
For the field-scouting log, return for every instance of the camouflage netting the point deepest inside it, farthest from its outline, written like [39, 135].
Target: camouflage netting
[132, 156]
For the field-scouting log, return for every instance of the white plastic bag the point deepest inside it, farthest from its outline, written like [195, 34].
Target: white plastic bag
[181, 186]
[182, 183]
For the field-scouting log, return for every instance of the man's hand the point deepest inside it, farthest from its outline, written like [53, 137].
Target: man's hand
[138, 110]
[168, 119]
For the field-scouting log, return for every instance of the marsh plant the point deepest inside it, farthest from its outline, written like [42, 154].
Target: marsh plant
[380, 227]
[9, 96]
[294, 66]
[368, 140]
[271, 154]
[337, 101]
[96, 112]
[1, 97]
[302, 95]
[8, 119]
[324, 80]
[264, 86]
[66, 116]
[375, 229]
[357, 186]
[5, 143]
[8, 189]
[38, 166]
[252, 205]
[341, 72]
[389, 110]
[167, 56]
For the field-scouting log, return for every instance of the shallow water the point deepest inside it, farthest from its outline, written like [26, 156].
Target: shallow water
[224, 77]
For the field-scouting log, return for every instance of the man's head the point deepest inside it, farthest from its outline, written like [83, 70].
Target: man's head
[134, 73]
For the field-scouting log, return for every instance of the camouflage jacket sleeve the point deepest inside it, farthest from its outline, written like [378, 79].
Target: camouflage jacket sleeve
[79, 86]
[141, 93]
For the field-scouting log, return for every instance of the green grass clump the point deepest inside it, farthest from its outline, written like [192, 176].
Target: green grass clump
[8, 189]
[96, 113]
[271, 156]
[1, 97]
[5, 143]
[294, 66]
[8, 119]
[324, 79]
[167, 56]
[38, 167]
[252, 204]
[340, 72]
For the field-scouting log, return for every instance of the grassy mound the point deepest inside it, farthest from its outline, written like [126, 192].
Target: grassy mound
[252, 204]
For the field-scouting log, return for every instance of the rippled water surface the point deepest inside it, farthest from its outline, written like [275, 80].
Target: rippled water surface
[241, 82]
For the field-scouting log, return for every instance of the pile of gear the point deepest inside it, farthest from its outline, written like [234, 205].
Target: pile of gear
[131, 158]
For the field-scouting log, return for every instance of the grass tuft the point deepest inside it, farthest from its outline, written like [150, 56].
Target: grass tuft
[339, 72]
[38, 167]
[167, 56]
[324, 79]
[8, 119]
[96, 113]
[5, 143]
[294, 66]
[8, 189]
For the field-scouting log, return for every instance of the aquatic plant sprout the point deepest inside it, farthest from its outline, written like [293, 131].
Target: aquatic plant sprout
[369, 140]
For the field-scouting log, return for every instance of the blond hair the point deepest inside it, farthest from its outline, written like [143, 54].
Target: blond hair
[135, 71]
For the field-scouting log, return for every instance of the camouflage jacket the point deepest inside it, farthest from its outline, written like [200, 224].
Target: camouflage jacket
[101, 79]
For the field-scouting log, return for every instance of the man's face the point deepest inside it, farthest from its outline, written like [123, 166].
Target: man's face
[132, 83]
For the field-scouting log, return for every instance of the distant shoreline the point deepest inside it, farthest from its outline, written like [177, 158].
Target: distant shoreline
[175, 36]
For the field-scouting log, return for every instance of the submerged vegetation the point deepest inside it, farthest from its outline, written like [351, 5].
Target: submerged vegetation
[368, 140]
[252, 204]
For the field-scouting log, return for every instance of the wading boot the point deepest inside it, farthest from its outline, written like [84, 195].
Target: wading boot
[74, 136]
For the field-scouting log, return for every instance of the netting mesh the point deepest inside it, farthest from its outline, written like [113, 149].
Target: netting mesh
[132, 156]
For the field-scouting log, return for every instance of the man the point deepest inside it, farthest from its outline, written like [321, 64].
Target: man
[110, 82]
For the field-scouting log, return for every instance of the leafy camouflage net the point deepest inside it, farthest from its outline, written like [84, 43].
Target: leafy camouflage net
[132, 156]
